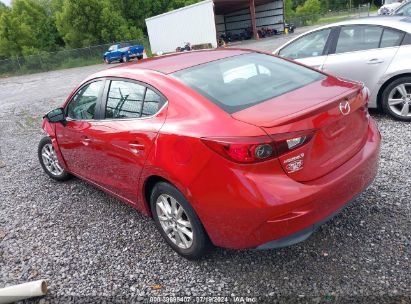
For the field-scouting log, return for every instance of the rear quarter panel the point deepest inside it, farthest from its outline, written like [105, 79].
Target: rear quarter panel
[179, 154]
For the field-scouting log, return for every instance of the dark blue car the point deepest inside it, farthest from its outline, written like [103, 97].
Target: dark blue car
[123, 52]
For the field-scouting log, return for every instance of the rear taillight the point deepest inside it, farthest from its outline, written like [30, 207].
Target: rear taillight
[257, 149]
[129, 51]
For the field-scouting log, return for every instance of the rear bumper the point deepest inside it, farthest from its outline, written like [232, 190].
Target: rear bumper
[259, 209]
[301, 235]
[135, 55]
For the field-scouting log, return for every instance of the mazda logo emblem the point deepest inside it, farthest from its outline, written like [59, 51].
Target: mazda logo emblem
[345, 107]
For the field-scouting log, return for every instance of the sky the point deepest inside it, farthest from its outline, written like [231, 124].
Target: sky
[7, 2]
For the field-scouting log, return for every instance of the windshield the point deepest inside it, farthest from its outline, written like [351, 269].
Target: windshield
[390, 1]
[239, 82]
[404, 10]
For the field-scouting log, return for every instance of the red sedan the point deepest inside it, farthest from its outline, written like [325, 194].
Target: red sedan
[232, 147]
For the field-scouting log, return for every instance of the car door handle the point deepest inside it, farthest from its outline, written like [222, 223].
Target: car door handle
[375, 61]
[85, 140]
[136, 146]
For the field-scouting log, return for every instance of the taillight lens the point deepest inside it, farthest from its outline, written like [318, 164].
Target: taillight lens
[257, 149]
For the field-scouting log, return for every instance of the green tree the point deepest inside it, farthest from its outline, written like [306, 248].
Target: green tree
[310, 10]
[87, 22]
[289, 12]
[135, 12]
[3, 7]
[116, 27]
[26, 28]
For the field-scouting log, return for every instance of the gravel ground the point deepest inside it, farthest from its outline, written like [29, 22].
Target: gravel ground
[87, 244]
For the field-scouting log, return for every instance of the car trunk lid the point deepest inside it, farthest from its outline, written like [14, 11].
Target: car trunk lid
[333, 113]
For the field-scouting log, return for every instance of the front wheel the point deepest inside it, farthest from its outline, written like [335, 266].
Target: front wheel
[396, 99]
[106, 60]
[177, 221]
[49, 162]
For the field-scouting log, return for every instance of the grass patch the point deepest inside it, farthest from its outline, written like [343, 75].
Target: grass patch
[333, 19]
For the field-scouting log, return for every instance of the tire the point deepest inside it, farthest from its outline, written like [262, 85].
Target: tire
[163, 193]
[396, 99]
[140, 57]
[106, 60]
[46, 151]
[124, 59]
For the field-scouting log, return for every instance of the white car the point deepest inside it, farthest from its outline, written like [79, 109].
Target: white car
[389, 7]
[375, 51]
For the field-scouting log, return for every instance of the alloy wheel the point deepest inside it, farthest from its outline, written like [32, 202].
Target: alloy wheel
[50, 160]
[174, 221]
[399, 100]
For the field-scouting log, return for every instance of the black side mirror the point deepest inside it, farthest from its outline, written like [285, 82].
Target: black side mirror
[56, 115]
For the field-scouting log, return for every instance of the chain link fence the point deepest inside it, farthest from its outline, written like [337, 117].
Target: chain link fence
[332, 16]
[57, 60]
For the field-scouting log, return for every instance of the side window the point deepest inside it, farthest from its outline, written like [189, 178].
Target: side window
[407, 39]
[391, 38]
[83, 105]
[124, 100]
[152, 103]
[358, 37]
[127, 99]
[310, 45]
[404, 11]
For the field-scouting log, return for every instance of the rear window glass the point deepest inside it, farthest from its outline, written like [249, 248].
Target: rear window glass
[391, 38]
[239, 82]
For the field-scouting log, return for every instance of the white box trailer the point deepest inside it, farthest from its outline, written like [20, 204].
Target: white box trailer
[194, 23]
[204, 22]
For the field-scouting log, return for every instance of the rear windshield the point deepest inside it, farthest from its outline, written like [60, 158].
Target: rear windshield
[239, 82]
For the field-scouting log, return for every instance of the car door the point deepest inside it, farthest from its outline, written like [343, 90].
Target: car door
[363, 53]
[74, 138]
[114, 53]
[310, 49]
[132, 118]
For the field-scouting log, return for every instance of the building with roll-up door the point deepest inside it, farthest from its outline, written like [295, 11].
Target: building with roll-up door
[206, 21]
